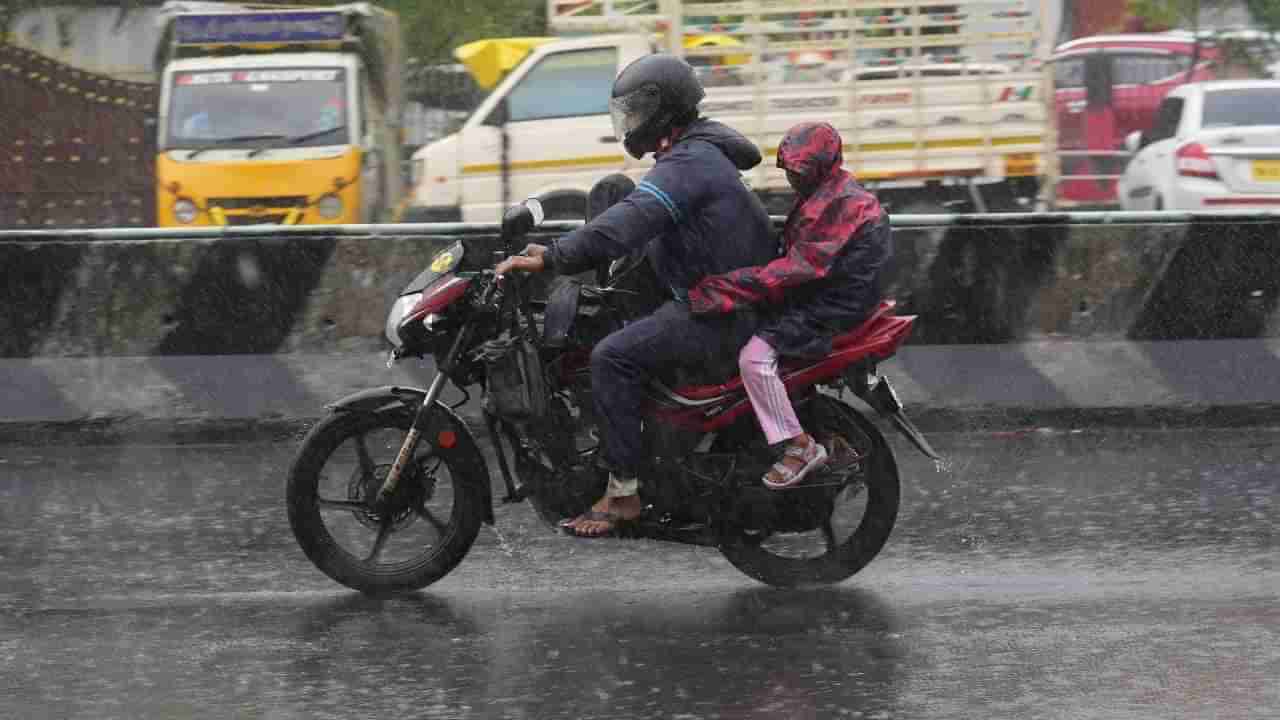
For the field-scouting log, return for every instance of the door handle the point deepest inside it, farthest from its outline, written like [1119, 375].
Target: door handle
[608, 139]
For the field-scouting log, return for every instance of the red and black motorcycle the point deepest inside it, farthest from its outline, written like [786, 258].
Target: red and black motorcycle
[389, 491]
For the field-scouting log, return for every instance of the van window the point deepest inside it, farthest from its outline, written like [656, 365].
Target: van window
[1144, 69]
[1068, 73]
[566, 84]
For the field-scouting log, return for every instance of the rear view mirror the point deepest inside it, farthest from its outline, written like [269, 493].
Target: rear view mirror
[522, 218]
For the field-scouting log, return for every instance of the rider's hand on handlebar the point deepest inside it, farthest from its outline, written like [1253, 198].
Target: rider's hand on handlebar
[529, 260]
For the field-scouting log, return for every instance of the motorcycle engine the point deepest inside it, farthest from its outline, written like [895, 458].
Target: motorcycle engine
[557, 457]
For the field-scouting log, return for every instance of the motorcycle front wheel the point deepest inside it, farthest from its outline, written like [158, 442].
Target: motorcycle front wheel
[413, 540]
[862, 477]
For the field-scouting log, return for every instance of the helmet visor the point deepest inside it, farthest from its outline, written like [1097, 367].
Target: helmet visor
[633, 110]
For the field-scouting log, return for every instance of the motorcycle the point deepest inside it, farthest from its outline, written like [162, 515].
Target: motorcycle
[388, 492]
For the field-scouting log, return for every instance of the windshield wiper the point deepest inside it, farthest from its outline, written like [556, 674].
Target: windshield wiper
[299, 139]
[295, 139]
[236, 139]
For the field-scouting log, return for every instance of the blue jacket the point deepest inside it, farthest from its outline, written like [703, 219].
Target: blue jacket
[702, 218]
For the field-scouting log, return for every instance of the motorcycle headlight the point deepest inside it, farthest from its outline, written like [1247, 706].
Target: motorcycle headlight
[329, 207]
[185, 211]
[401, 308]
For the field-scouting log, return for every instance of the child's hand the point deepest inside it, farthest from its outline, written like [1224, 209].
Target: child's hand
[699, 303]
[726, 293]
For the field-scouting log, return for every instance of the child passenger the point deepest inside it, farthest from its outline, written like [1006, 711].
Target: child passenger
[836, 241]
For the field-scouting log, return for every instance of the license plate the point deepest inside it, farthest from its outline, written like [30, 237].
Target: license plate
[1266, 170]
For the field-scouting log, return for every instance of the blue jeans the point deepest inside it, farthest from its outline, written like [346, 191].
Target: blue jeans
[654, 347]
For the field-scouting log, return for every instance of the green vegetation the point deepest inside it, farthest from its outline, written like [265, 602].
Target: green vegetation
[1243, 54]
[1185, 14]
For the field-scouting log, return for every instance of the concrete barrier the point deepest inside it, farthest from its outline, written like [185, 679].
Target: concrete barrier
[1158, 317]
[130, 294]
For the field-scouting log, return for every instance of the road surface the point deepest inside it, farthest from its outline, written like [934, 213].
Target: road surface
[1042, 575]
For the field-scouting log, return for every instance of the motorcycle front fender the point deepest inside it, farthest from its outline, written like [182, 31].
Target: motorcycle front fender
[393, 398]
[378, 399]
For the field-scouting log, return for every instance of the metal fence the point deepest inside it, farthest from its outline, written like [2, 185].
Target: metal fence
[553, 228]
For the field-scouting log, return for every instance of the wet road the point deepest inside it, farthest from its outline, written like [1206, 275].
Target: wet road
[1045, 575]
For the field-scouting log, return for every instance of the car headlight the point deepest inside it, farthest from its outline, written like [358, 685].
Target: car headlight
[398, 310]
[330, 206]
[185, 211]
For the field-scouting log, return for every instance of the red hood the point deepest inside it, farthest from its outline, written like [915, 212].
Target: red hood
[813, 150]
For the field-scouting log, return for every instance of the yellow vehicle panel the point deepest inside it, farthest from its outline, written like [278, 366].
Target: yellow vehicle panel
[260, 190]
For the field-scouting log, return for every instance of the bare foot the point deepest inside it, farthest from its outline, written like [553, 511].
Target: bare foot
[604, 516]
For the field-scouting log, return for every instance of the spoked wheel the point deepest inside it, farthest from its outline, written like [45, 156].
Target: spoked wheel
[833, 524]
[407, 542]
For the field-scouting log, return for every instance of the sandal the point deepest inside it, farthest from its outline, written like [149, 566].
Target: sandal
[814, 456]
[618, 525]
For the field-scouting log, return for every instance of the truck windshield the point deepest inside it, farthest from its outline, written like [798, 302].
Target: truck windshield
[215, 107]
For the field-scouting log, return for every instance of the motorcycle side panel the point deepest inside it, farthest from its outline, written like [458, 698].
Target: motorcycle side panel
[879, 343]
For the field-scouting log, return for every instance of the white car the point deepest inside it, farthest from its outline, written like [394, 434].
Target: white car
[1213, 145]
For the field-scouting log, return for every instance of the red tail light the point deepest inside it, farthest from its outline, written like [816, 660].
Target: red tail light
[1192, 161]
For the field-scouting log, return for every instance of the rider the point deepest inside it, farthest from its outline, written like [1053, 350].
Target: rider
[702, 219]
[836, 242]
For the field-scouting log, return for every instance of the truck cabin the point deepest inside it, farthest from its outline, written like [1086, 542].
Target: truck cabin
[248, 79]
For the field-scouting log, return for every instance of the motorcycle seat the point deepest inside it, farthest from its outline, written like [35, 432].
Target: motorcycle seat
[839, 342]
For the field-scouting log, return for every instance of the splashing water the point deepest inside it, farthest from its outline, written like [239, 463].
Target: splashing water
[505, 546]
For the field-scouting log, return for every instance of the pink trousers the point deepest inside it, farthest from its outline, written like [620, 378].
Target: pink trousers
[759, 365]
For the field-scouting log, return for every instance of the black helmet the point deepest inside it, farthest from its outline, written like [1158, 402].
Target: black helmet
[652, 95]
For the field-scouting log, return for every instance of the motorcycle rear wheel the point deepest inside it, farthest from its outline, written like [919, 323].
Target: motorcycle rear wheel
[417, 539]
[875, 487]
